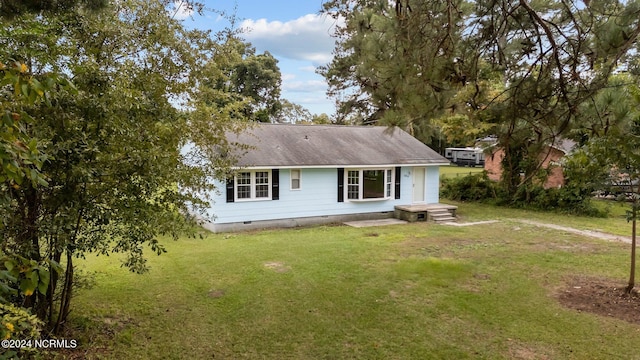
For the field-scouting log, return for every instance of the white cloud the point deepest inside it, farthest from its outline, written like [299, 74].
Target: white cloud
[307, 38]
[304, 86]
[180, 10]
[287, 76]
[309, 68]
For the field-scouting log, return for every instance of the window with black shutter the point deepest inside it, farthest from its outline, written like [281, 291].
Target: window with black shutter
[340, 184]
[275, 184]
[397, 182]
[230, 190]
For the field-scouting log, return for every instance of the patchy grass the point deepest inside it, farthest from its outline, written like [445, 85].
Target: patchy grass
[417, 291]
[457, 171]
[615, 224]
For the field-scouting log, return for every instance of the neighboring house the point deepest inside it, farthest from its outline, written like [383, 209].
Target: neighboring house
[296, 175]
[550, 160]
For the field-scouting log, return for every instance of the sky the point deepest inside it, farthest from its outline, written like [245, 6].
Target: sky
[293, 31]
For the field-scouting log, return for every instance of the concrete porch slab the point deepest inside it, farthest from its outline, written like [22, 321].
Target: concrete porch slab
[379, 222]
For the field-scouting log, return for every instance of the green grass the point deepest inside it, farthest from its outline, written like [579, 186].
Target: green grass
[456, 171]
[417, 291]
[615, 223]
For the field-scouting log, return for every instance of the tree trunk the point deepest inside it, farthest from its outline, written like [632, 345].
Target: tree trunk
[29, 240]
[53, 285]
[65, 297]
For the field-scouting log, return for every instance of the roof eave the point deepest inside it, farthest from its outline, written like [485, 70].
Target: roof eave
[334, 166]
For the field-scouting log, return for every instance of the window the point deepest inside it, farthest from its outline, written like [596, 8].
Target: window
[253, 185]
[295, 179]
[369, 184]
[262, 184]
[244, 185]
[353, 184]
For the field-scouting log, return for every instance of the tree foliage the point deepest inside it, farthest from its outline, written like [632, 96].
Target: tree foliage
[395, 63]
[521, 70]
[11, 8]
[112, 174]
[292, 113]
[553, 57]
[612, 144]
[250, 77]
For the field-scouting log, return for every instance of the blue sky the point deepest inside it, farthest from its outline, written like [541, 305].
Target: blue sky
[293, 32]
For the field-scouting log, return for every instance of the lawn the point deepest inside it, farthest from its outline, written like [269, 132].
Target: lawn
[455, 171]
[417, 291]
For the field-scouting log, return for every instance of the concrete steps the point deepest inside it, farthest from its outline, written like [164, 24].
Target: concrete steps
[439, 213]
[441, 216]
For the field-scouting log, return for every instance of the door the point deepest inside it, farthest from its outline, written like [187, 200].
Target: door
[418, 185]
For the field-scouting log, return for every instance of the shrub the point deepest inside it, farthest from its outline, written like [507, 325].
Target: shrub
[572, 198]
[475, 187]
[18, 324]
[568, 199]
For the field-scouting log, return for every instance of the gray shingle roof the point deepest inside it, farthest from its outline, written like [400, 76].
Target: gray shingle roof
[286, 145]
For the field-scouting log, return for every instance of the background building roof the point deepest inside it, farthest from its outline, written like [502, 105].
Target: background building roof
[286, 145]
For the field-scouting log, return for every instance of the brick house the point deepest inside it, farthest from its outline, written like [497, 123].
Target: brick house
[552, 156]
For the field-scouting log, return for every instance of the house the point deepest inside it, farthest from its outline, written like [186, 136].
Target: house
[294, 175]
[550, 160]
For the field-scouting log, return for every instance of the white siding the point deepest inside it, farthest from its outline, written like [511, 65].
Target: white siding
[317, 196]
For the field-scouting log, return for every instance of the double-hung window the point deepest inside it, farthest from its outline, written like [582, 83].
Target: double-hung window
[369, 184]
[253, 185]
[295, 179]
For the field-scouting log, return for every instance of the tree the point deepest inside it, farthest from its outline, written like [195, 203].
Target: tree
[611, 142]
[395, 63]
[114, 160]
[519, 69]
[12, 8]
[251, 76]
[321, 119]
[553, 56]
[292, 113]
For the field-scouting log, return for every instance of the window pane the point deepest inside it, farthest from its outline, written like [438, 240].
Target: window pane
[244, 185]
[244, 191]
[262, 191]
[353, 187]
[373, 184]
[295, 179]
[244, 178]
[388, 183]
[262, 184]
[262, 177]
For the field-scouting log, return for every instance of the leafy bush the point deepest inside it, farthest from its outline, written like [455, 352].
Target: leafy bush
[17, 323]
[573, 198]
[570, 199]
[476, 187]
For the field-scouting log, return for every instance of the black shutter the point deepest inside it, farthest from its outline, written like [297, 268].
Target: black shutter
[230, 190]
[340, 184]
[275, 184]
[398, 173]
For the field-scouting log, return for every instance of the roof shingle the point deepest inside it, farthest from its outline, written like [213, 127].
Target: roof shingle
[286, 145]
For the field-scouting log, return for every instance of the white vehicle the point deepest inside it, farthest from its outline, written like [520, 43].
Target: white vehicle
[465, 156]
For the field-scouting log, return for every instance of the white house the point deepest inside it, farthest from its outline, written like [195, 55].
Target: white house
[293, 175]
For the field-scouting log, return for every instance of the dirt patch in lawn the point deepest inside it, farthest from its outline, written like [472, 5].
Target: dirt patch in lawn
[216, 293]
[601, 296]
[277, 267]
[523, 351]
